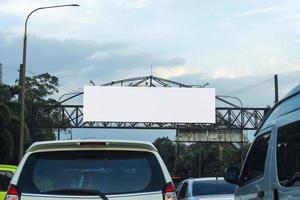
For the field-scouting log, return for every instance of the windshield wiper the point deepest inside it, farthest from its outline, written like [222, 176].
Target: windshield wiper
[78, 192]
[292, 180]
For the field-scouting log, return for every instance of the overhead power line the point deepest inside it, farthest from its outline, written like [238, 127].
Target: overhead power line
[247, 88]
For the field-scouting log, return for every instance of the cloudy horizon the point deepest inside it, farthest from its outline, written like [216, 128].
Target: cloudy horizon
[229, 44]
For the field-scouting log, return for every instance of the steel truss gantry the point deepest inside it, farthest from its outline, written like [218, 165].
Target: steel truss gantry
[232, 117]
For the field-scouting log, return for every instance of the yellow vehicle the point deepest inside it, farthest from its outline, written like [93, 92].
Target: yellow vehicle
[6, 173]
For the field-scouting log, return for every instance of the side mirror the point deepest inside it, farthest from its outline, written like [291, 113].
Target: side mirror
[231, 175]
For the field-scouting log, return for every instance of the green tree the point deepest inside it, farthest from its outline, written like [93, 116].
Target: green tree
[166, 149]
[212, 157]
[39, 112]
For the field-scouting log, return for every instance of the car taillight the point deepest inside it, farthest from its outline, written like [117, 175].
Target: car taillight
[13, 193]
[169, 192]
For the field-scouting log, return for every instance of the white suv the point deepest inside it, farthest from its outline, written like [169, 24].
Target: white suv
[86, 170]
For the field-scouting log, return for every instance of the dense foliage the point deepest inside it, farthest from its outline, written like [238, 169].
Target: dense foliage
[38, 110]
[184, 159]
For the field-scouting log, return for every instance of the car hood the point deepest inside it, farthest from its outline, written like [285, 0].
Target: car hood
[216, 197]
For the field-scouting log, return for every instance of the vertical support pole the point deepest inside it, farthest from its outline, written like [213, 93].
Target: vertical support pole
[221, 149]
[176, 157]
[32, 117]
[219, 163]
[200, 160]
[242, 135]
[276, 88]
[58, 134]
[22, 110]
[176, 152]
[61, 123]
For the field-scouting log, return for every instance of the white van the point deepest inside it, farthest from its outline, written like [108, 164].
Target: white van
[95, 169]
[272, 166]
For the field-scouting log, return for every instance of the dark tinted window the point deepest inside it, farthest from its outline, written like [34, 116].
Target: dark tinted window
[111, 172]
[212, 187]
[5, 178]
[178, 189]
[255, 163]
[288, 154]
[182, 193]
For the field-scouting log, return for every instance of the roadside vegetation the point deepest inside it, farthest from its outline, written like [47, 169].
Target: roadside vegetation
[182, 159]
[38, 91]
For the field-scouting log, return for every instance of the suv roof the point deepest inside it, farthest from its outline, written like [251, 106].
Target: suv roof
[70, 144]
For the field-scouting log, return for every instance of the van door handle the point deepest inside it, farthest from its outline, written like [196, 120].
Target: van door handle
[260, 194]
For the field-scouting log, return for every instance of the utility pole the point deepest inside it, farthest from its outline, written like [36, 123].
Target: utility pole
[276, 88]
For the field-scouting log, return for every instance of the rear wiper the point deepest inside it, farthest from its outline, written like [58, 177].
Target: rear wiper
[292, 180]
[78, 192]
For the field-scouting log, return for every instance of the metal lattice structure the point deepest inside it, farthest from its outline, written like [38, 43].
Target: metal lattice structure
[227, 118]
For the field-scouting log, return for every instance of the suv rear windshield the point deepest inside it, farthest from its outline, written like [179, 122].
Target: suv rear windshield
[110, 172]
[212, 188]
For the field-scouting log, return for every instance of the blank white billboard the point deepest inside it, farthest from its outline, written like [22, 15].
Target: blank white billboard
[148, 104]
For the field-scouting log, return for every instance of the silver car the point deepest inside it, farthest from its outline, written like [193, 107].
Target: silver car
[205, 188]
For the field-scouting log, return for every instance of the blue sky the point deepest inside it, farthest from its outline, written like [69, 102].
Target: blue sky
[230, 44]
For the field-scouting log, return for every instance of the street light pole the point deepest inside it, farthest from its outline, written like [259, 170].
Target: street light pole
[22, 78]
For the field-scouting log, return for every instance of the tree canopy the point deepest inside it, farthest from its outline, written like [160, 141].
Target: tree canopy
[38, 105]
[195, 159]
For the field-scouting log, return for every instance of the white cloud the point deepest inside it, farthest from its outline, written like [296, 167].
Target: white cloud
[276, 65]
[99, 54]
[227, 24]
[223, 73]
[259, 11]
[136, 4]
[19, 7]
[88, 69]
[167, 72]
[293, 18]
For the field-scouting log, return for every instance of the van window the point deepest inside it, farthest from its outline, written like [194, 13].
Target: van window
[282, 109]
[255, 164]
[110, 172]
[273, 116]
[5, 178]
[290, 105]
[288, 155]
